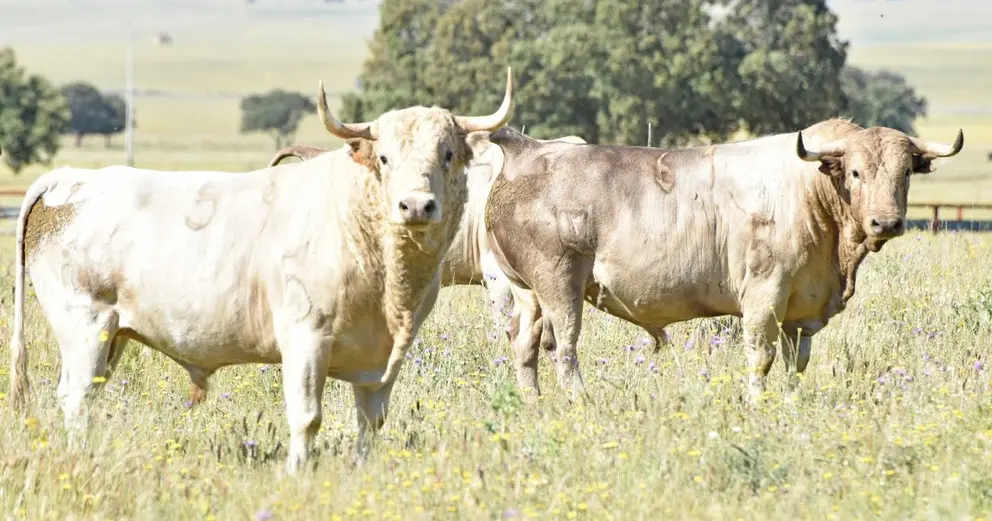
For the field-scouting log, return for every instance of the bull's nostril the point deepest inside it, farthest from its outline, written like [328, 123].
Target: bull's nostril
[404, 207]
[875, 224]
[429, 207]
[898, 224]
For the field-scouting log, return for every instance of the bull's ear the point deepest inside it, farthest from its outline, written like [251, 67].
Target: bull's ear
[922, 165]
[832, 166]
[478, 142]
[363, 153]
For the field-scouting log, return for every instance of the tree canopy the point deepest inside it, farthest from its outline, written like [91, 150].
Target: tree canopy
[882, 98]
[33, 115]
[697, 70]
[277, 112]
[93, 112]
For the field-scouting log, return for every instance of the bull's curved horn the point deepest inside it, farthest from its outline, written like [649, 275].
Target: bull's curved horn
[365, 130]
[303, 152]
[831, 149]
[935, 149]
[496, 119]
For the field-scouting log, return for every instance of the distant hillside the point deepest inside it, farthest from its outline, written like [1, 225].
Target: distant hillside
[863, 22]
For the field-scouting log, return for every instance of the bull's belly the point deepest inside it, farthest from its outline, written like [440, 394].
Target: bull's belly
[636, 296]
[203, 342]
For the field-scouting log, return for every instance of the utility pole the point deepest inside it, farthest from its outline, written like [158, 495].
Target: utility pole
[649, 133]
[129, 100]
[523, 130]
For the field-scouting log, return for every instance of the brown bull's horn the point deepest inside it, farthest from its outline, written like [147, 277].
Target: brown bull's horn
[496, 119]
[365, 130]
[831, 149]
[303, 152]
[935, 149]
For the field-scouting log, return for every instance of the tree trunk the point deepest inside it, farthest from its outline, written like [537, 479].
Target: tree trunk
[278, 141]
[79, 139]
[106, 140]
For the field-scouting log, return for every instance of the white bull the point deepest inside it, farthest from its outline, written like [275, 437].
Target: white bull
[328, 267]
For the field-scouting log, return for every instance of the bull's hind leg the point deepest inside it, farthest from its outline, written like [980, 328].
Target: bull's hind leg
[84, 335]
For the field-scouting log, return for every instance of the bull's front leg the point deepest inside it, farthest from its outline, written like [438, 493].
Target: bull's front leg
[526, 330]
[305, 356]
[763, 310]
[796, 348]
[497, 285]
[371, 408]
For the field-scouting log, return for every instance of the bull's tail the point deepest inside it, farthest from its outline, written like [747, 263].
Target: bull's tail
[18, 350]
[303, 152]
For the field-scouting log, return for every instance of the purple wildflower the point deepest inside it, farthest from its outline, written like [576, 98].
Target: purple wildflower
[899, 371]
[716, 340]
[917, 330]
[225, 395]
[444, 336]
[251, 443]
[263, 515]
[418, 361]
[510, 513]
[123, 383]
[188, 403]
[979, 365]
[500, 360]
[264, 368]
[604, 361]
[639, 360]
[644, 341]
[705, 373]
[45, 381]
[653, 367]
[926, 357]
[689, 343]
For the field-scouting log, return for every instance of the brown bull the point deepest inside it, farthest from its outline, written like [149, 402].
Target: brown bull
[771, 230]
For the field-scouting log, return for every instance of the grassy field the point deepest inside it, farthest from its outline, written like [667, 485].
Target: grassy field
[892, 420]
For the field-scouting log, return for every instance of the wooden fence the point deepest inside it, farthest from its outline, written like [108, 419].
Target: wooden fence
[934, 224]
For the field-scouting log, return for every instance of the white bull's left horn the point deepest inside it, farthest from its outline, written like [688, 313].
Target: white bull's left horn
[496, 119]
[935, 149]
[831, 149]
[365, 130]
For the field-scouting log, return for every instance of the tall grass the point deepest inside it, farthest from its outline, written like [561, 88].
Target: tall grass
[892, 420]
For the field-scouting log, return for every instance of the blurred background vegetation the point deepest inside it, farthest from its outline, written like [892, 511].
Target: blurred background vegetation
[221, 83]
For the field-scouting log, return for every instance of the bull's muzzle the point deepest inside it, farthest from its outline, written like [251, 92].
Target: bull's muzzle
[886, 227]
[418, 209]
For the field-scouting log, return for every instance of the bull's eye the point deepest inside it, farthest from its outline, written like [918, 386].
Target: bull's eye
[855, 174]
[383, 159]
[448, 155]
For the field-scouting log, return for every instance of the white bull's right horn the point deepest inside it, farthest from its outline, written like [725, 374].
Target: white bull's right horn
[831, 149]
[365, 130]
[495, 120]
